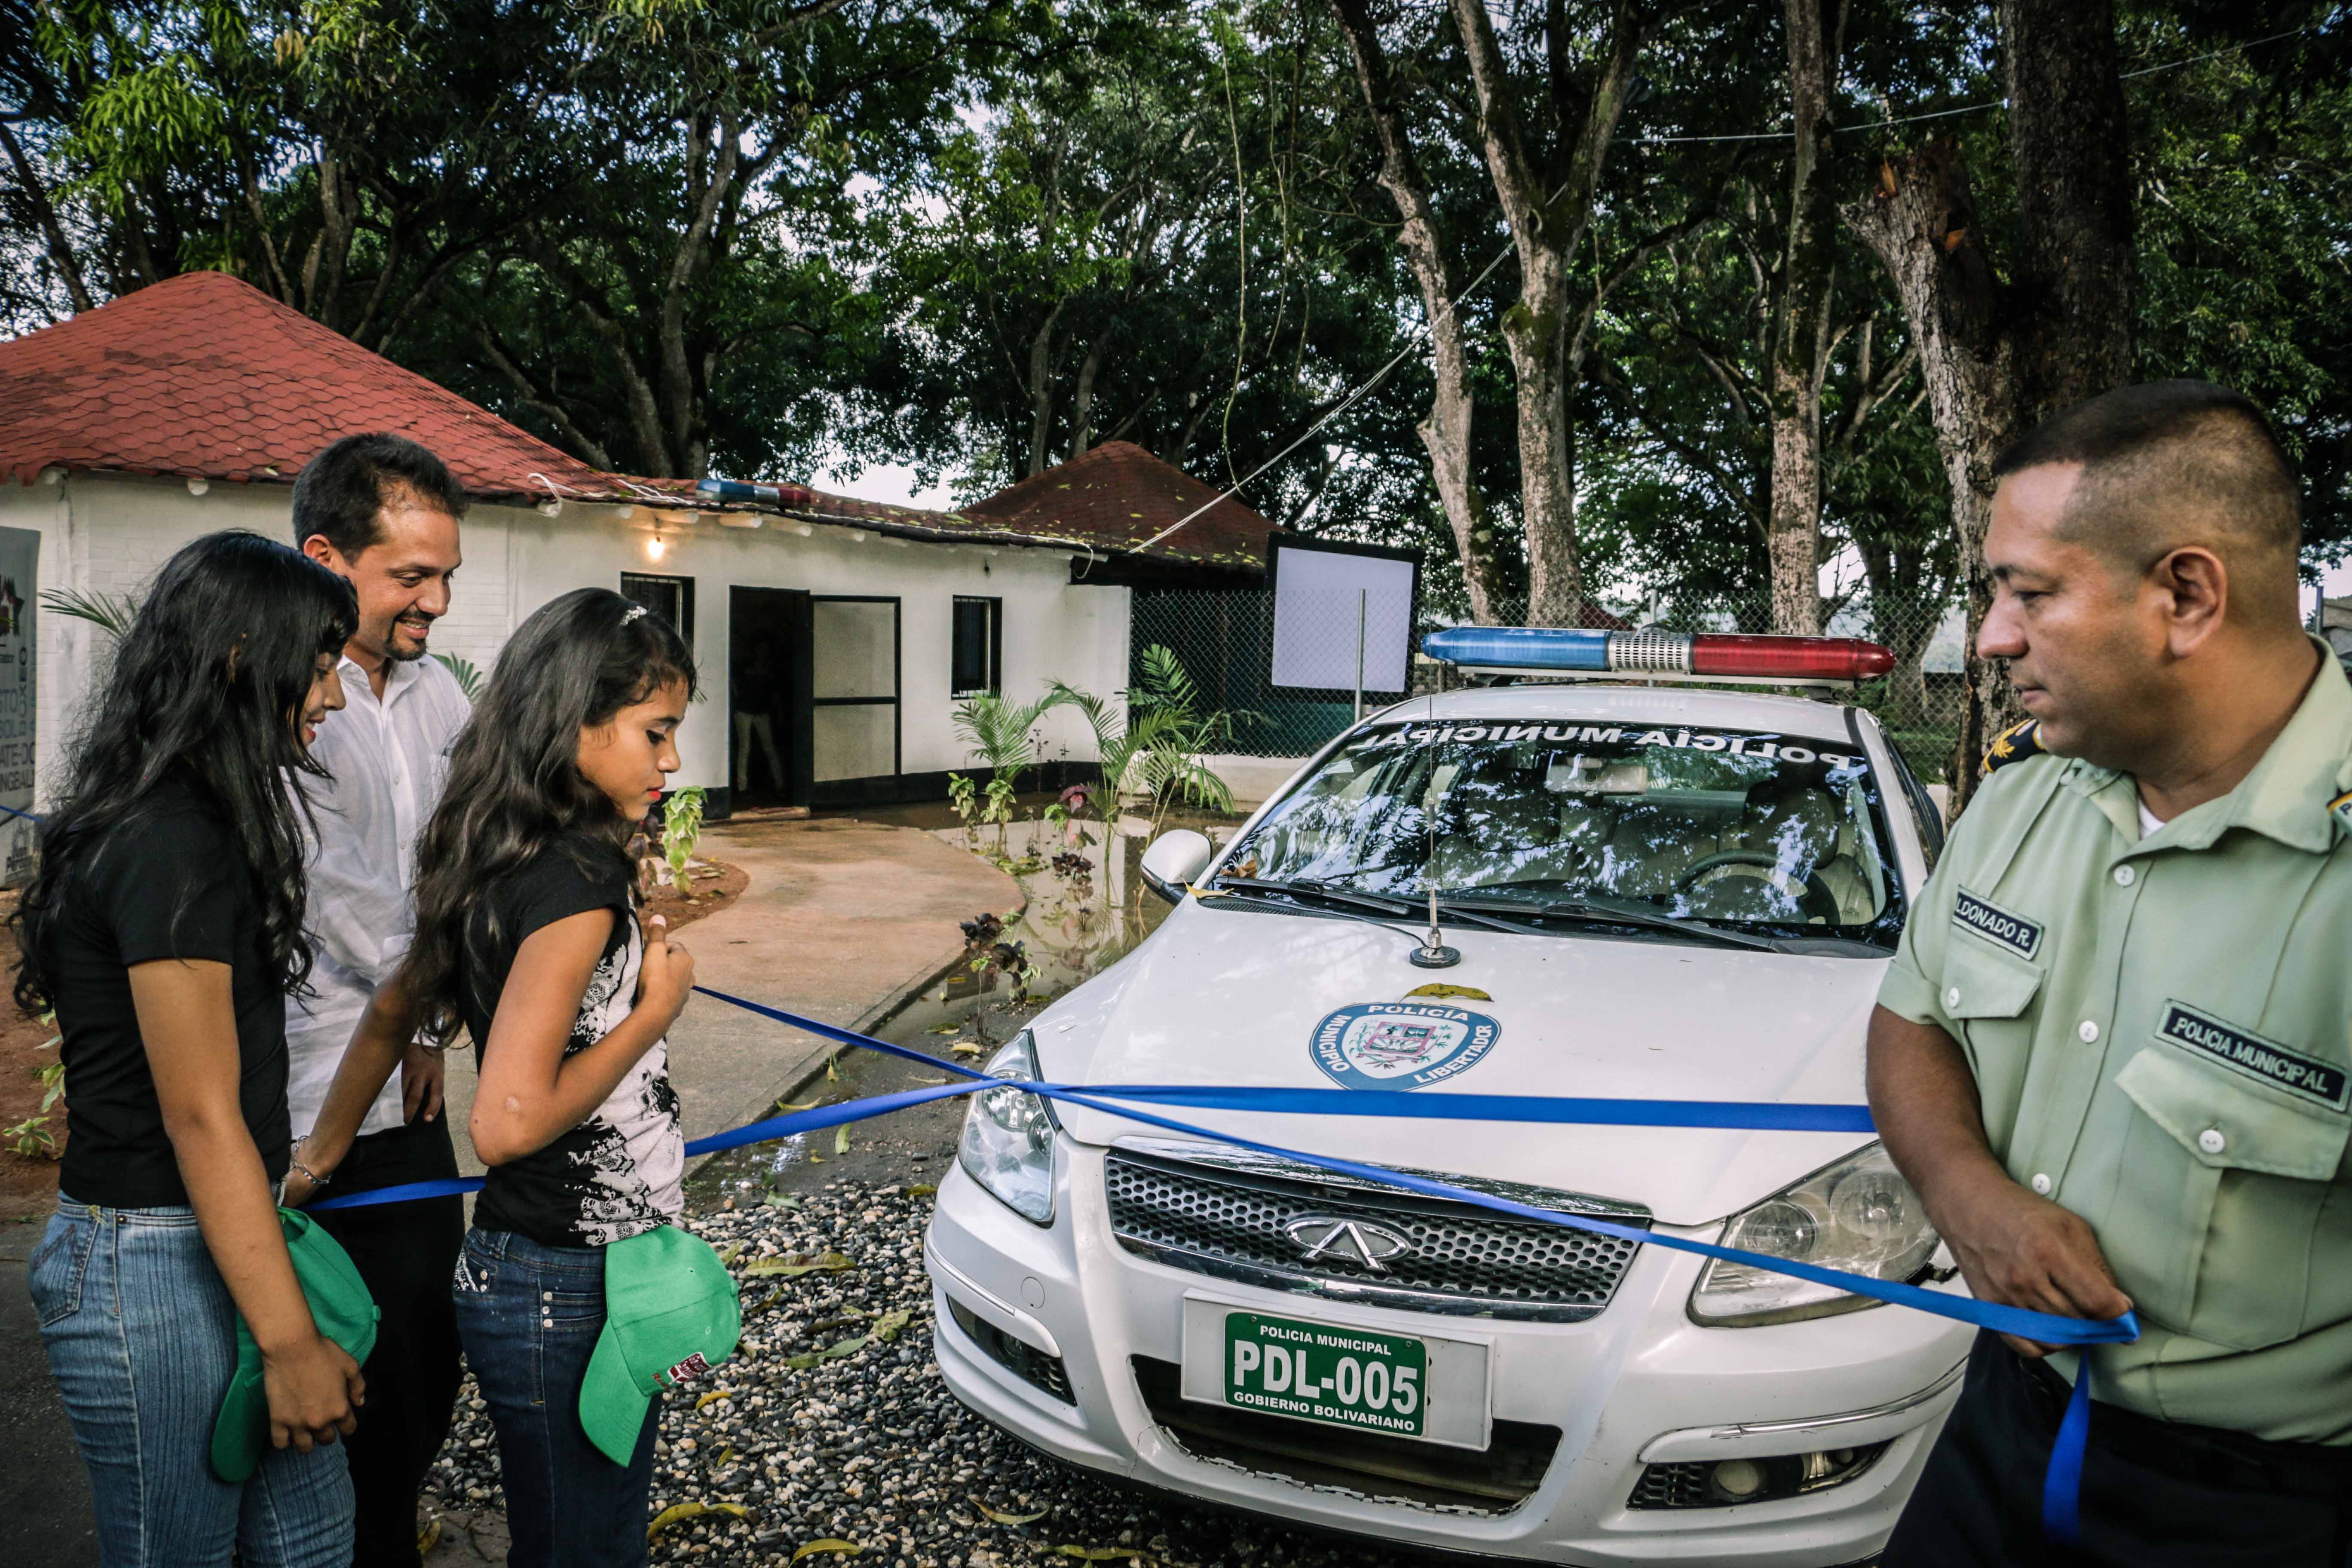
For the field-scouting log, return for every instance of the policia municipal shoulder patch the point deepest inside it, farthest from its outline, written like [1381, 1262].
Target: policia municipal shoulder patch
[1998, 926]
[2251, 1054]
[2013, 744]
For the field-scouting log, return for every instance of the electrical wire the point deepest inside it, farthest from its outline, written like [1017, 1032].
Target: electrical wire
[1414, 344]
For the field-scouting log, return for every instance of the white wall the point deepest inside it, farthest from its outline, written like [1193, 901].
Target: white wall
[1051, 629]
[108, 533]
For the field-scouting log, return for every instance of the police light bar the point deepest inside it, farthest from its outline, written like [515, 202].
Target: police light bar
[736, 490]
[1731, 657]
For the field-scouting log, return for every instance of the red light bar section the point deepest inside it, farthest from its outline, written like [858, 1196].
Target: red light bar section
[1816, 658]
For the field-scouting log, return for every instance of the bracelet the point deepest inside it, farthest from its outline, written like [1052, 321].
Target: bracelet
[294, 1163]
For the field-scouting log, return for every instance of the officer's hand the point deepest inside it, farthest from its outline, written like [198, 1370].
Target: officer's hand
[2025, 1251]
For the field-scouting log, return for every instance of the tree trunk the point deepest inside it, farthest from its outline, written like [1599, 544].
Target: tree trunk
[61, 254]
[1548, 206]
[1802, 335]
[1446, 432]
[1041, 392]
[1996, 359]
[2070, 297]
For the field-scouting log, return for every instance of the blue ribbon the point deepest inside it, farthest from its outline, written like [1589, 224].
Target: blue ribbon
[2062, 1483]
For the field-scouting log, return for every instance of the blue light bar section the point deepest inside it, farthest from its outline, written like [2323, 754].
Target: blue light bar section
[736, 490]
[1520, 648]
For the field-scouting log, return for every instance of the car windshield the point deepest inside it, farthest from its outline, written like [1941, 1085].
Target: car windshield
[1739, 828]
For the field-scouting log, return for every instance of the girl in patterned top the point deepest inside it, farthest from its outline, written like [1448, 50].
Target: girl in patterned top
[527, 937]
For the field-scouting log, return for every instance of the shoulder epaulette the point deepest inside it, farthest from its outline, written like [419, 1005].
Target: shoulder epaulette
[2013, 744]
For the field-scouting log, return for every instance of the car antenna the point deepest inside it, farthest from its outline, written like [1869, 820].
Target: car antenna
[1432, 954]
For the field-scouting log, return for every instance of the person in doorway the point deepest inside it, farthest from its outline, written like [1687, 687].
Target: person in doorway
[2112, 1053]
[527, 937]
[382, 513]
[164, 927]
[755, 693]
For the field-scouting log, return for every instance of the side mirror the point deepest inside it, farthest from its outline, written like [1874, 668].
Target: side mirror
[1171, 860]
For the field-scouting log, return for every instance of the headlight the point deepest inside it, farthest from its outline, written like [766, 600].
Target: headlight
[1008, 1136]
[1860, 1215]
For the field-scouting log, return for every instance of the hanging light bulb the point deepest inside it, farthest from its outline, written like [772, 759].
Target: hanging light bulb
[654, 546]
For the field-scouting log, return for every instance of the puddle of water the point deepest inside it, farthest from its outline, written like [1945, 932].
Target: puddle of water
[1086, 909]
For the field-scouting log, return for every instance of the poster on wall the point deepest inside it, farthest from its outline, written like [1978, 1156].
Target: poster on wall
[20, 558]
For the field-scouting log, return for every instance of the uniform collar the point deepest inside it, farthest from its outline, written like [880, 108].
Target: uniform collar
[2287, 795]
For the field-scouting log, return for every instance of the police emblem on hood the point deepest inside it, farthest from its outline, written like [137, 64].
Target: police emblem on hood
[1401, 1045]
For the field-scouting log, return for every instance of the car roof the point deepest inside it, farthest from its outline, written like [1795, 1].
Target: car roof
[1587, 701]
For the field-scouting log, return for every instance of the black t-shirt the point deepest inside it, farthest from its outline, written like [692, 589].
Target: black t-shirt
[170, 880]
[619, 1173]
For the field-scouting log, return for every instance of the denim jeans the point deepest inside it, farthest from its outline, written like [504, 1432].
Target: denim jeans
[141, 1337]
[529, 1317]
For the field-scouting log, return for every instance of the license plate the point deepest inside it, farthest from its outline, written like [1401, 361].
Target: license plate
[1348, 1377]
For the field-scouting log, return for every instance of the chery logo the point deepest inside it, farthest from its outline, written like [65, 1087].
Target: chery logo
[1359, 1241]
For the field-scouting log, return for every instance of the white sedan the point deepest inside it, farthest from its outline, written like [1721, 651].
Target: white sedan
[1651, 892]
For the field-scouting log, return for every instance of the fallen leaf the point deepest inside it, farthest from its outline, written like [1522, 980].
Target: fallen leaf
[734, 1250]
[841, 1139]
[724, 1455]
[782, 1201]
[886, 1327]
[830, 1353]
[996, 1518]
[831, 1075]
[840, 1548]
[788, 1105]
[792, 1265]
[921, 1190]
[714, 1393]
[949, 1027]
[964, 1048]
[685, 1510]
[927, 1080]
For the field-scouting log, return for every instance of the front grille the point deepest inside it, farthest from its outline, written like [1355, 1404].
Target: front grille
[1228, 1219]
[1495, 1480]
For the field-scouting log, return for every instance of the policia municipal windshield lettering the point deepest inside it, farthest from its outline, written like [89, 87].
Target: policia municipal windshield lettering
[1747, 828]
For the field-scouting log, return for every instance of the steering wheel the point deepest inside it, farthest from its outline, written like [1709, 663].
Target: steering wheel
[1819, 898]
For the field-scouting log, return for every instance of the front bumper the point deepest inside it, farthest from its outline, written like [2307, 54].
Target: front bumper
[1638, 1383]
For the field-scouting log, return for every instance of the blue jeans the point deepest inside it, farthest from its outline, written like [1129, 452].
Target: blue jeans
[529, 1317]
[141, 1337]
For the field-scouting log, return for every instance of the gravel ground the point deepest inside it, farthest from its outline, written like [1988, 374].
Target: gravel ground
[831, 1424]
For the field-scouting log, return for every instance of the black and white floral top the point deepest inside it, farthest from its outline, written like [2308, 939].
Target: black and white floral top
[619, 1173]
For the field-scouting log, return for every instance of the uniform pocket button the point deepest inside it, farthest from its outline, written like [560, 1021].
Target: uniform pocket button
[1952, 997]
[2041, 1182]
[2211, 1140]
[2089, 1031]
[2125, 876]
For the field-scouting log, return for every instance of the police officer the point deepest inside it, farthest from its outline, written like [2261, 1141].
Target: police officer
[2115, 1052]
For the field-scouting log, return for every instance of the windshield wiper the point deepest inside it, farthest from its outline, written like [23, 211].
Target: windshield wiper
[1309, 889]
[1629, 914]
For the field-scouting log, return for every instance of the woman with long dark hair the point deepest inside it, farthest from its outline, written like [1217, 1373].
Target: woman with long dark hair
[164, 927]
[527, 937]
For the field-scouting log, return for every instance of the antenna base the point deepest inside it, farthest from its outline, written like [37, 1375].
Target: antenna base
[1433, 957]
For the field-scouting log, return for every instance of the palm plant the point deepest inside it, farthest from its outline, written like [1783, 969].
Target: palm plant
[1002, 736]
[1157, 746]
[110, 613]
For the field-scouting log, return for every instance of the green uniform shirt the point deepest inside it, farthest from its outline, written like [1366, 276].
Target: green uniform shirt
[2161, 1034]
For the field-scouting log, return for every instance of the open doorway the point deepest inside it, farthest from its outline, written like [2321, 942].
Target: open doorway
[768, 697]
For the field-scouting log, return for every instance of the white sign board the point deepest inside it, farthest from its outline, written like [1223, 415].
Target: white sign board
[20, 558]
[1319, 598]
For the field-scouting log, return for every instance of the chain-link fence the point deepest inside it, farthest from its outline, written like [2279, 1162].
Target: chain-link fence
[1224, 640]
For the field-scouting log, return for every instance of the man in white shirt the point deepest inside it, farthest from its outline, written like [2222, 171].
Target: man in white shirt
[381, 512]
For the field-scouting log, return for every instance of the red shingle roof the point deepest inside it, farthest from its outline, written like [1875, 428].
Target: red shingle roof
[206, 376]
[1117, 494]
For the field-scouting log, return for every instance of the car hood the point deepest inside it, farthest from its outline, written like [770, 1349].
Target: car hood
[1234, 997]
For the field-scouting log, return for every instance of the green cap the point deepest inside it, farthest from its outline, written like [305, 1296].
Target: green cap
[340, 1305]
[670, 1316]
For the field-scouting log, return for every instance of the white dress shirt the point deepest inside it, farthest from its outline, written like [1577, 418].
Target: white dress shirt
[389, 758]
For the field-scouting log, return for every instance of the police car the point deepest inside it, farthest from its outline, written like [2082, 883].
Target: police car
[1643, 887]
